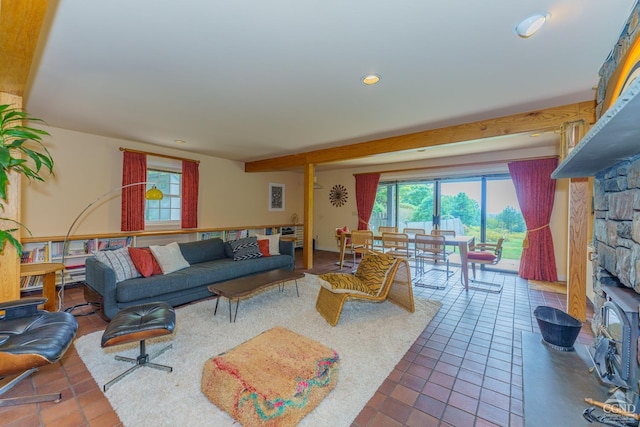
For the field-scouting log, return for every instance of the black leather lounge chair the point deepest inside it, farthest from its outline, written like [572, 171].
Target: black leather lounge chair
[30, 338]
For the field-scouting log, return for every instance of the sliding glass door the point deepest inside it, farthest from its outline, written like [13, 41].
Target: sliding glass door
[485, 207]
[460, 206]
[403, 205]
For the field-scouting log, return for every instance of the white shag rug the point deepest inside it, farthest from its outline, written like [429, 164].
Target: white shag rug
[370, 339]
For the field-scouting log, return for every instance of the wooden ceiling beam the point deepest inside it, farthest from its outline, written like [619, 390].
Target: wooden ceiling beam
[20, 24]
[533, 121]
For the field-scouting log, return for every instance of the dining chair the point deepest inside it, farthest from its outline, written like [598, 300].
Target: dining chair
[411, 232]
[430, 248]
[452, 233]
[338, 235]
[377, 243]
[361, 243]
[396, 244]
[488, 254]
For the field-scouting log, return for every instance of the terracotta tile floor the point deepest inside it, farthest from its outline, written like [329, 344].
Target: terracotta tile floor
[464, 370]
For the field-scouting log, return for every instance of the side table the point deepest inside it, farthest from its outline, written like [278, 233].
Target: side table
[48, 271]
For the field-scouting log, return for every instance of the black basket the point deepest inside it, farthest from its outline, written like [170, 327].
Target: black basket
[559, 329]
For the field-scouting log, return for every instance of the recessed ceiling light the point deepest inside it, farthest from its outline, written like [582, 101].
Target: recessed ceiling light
[180, 141]
[535, 134]
[529, 26]
[371, 79]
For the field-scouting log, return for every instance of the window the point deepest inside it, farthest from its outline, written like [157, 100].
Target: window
[166, 174]
[482, 206]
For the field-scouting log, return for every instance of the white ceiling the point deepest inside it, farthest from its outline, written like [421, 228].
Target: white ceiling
[248, 79]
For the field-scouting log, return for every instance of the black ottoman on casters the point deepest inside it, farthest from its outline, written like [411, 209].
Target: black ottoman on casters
[139, 323]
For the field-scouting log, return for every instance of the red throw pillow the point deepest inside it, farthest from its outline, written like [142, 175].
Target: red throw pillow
[481, 255]
[263, 245]
[144, 261]
[344, 229]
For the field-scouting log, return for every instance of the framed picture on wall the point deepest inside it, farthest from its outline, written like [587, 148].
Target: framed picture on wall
[276, 197]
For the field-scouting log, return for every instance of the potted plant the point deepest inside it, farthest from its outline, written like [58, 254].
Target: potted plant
[21, 151]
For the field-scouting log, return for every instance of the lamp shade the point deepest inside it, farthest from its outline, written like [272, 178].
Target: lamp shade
[153, 194]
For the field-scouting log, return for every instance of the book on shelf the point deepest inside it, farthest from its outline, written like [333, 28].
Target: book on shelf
[37, 254]
[212, 235]
[117, 243]
[29, 282]
[236, 234]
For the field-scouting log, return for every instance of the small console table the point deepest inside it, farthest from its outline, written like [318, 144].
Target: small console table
[48, 271]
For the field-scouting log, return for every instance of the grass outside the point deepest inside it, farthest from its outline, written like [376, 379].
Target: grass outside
[511, 246]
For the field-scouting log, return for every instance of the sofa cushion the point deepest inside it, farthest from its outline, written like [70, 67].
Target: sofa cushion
[169, 257]
[246, 248]
[202, 250]
[228, 250]
[144, 261]
[274, 242]
[481, 255]
[120, 262]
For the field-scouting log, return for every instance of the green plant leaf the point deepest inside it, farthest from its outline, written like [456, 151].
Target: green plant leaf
[6, 236]
[17, 153]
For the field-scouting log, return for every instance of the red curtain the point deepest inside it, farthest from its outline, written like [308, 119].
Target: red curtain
[535, 190]
[134, 169]
[366, 188]
[190, 180]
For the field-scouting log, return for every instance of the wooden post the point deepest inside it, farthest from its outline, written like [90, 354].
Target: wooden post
[9, 259]
[578, 226]
[307, 250]
[21, 21]
[578, 238]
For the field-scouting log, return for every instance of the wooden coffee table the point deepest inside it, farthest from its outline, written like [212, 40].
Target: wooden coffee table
[248, 285]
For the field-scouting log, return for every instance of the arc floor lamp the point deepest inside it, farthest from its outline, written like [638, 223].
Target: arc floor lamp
[151, 194]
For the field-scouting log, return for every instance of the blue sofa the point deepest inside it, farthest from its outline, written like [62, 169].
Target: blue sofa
[211, 261]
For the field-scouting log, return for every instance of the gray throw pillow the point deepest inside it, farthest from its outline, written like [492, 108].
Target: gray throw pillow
[246, 248]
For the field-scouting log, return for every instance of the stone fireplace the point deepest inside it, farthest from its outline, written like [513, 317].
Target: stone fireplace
[616, 240]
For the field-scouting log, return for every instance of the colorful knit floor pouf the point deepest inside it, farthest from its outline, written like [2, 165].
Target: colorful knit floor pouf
[274, 379]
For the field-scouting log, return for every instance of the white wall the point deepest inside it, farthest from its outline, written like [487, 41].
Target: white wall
[87, 166]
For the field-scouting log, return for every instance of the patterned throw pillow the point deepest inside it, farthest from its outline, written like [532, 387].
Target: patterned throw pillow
[373, 270]
[120, 262]
[246, 248]
[341, 283]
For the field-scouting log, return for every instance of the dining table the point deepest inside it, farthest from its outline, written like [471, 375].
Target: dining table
[462, 242]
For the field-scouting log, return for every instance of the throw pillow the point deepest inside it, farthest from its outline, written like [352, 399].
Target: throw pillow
[120, 262]
[274, 242]
[340, 231]
[144, 261]
[373, 270]
[340, 283]
[246, 248]
[263, 245]
[169, 257]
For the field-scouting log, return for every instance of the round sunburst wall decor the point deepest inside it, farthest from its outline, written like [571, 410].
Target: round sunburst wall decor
[338, 195]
